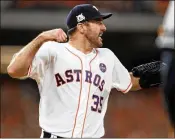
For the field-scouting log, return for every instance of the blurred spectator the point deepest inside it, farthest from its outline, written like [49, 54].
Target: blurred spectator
[143, 6]
[131, 6]
[42, 3]
[117, 6]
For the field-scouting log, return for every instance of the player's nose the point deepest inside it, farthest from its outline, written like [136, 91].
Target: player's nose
[103, 28]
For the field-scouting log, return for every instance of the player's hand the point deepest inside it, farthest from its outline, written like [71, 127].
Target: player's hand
[57, 35]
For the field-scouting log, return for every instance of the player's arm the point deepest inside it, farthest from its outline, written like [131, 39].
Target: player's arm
[21, 62]
[143, 76]
[121, 79]
[125, 81]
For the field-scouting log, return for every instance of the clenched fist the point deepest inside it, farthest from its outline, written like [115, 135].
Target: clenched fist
[57, 35]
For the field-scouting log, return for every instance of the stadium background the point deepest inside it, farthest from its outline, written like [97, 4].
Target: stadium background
[131, 34]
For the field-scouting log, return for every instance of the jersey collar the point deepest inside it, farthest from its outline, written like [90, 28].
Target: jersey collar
[76, 51]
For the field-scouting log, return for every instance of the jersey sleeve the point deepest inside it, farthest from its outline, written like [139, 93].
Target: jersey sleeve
[121, 79]
[40, 62]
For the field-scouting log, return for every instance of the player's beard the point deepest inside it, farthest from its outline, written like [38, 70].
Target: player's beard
[94, 39]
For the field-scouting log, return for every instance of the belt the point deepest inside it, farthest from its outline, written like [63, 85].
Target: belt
[49, 135]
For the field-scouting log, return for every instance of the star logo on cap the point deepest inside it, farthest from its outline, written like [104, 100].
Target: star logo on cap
[80, 17]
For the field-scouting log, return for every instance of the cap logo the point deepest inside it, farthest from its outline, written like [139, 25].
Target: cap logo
[95, 8]
[80, 17]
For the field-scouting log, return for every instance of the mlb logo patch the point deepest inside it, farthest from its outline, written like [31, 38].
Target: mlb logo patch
[102, 67]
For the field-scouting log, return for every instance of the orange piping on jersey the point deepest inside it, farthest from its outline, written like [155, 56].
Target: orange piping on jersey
[80, 91]
[29, 70]
[88, 95]
[124, 91]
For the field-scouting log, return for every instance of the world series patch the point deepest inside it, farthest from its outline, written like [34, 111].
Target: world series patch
[102, 67]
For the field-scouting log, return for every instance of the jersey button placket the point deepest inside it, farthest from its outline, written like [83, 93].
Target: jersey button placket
[82, 107]
[87, 86]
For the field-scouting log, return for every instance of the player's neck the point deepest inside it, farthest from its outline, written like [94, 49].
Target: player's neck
[81, 45]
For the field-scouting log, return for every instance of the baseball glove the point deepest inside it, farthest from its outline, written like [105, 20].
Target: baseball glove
[149, 74]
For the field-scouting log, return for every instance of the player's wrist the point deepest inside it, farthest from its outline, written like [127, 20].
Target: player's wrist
[42, 37]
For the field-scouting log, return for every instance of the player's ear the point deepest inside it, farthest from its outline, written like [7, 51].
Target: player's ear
[80, 28]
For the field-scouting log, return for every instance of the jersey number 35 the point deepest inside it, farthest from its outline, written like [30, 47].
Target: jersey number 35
[97, 107]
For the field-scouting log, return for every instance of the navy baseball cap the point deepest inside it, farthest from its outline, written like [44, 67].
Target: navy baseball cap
[82, 13]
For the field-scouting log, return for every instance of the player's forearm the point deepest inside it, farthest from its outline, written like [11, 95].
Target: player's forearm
[135, 83]
[21, 62]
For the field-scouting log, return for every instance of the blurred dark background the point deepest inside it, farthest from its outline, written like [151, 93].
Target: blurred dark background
[131, 34]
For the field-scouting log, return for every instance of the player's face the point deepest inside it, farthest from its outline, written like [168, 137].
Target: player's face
[94, 31]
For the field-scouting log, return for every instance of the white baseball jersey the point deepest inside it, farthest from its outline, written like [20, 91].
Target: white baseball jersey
[74, 88]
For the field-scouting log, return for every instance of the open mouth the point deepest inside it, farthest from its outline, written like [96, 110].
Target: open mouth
[100, 35]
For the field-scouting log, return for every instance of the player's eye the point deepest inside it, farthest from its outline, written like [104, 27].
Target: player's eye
[98, 22]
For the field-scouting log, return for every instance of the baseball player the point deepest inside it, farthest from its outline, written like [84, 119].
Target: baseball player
[75, 77]
[165, 41]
